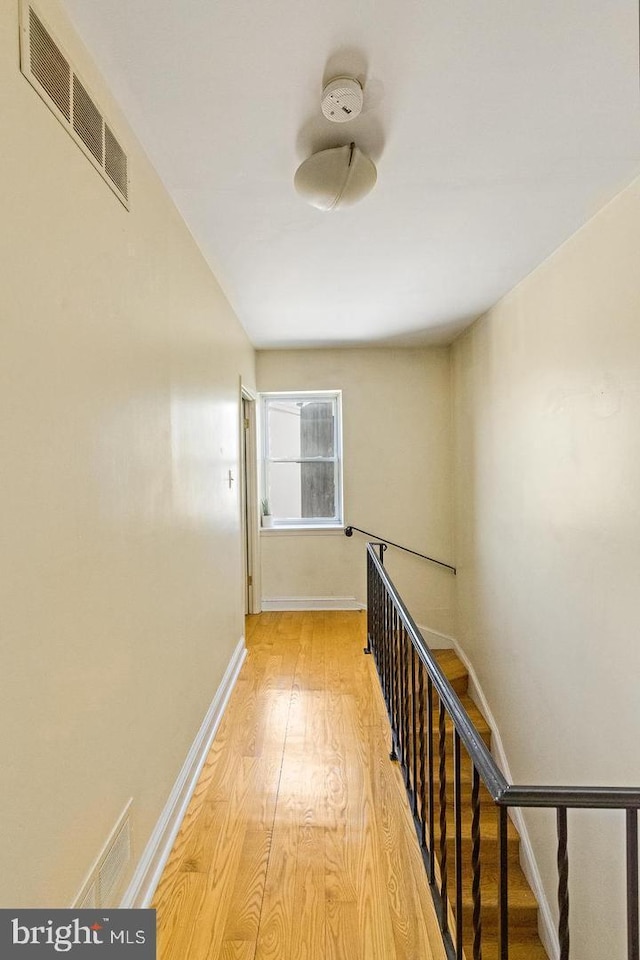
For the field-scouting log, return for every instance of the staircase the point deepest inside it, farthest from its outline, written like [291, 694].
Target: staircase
[524, 942]
[412, 678]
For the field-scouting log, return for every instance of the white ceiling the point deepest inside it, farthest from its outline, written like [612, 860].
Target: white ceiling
[498, 129]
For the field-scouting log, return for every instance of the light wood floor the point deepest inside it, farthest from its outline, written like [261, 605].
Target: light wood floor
[298, 843]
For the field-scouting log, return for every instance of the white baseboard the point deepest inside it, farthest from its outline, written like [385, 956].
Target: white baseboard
[436, 639]
[152, 862]
[310, 603]
[546, 925]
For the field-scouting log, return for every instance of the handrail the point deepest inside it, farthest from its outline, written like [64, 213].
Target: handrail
[487, 767]
[403, 658]
[578, 798]
[348, 532]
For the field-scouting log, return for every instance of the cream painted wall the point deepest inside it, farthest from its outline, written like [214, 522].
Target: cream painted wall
[547, 468]
[397, 481]
[120, 586]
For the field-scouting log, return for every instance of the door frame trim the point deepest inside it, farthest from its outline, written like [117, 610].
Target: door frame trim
[249, 509]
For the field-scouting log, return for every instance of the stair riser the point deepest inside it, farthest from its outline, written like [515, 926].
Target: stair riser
[460, 687]
[465, 764]
[488, 853]
[518, 950]
[523, 925]
[485, 735]
[488, 888]
[488, 809]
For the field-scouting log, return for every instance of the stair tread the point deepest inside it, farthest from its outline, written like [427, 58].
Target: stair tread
[474, 715]
[458, 676]
[488, 824]
[465, 781]
[521, 896]
[452, 667]
[520, 893]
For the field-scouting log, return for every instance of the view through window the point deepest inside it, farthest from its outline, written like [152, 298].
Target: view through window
[301, 458]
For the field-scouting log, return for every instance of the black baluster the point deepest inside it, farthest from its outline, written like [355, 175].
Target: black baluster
[391, 652]
[475, 866]
[376, 603]
[383, 646]
[395, 667]
[414, 732]
[370, 615]
[398, 688]
[457, 800]
[406, 645]
[423, 759]
[379, 651]
[400, 701]
[396, 663]
[633, 948]
[503, 892]
[387, 667]
[381, 633]
[385, 627]
[380, 627]
[432, 850]
[442, 747]
[563, 884]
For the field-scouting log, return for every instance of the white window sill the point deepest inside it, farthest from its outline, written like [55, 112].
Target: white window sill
[330, 530]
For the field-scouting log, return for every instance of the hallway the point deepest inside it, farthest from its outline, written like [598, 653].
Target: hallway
[298, 842]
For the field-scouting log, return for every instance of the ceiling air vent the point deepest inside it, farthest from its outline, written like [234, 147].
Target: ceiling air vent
[51, 73]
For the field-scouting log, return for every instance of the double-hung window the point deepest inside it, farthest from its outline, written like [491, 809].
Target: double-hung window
[302, 458]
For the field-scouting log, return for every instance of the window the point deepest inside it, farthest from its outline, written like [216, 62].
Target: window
[302, 458]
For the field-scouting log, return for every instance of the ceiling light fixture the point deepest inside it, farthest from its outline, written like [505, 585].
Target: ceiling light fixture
[335, 178]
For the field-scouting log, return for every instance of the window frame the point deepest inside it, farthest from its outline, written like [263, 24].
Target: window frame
[303, 523]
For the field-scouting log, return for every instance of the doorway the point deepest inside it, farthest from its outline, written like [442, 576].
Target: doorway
[249, 508]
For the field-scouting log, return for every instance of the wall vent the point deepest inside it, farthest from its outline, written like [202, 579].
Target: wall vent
[90, 898]
[113, 867]
[50, 72]
[48, 66]
[105, 881]
[87, 120]
[115, 161]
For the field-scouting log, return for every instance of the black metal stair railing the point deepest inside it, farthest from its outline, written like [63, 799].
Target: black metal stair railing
[348, 532]
[431, 733]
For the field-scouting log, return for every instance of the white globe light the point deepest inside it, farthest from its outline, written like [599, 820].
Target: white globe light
[335, 178]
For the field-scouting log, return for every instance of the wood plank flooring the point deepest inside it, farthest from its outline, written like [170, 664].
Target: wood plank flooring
[298, 843]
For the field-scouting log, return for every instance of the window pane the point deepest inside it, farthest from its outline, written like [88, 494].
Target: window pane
[299, 491]
[283, 428]
[301, 429]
